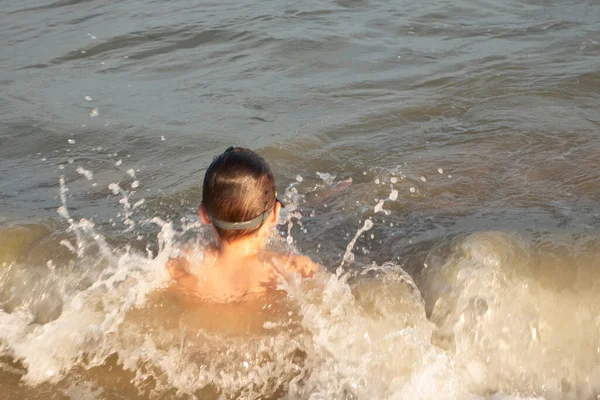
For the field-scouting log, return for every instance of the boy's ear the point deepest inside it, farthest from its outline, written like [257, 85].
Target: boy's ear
[203, 215]
[276, 211]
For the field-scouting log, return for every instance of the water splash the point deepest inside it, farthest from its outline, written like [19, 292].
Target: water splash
[118, 281]
[359, 334]
[349, 255]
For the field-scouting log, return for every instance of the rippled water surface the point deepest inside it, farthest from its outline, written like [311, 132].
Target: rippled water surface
[469, 130]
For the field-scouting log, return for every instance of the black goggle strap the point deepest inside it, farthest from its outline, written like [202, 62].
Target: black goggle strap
[253, 223]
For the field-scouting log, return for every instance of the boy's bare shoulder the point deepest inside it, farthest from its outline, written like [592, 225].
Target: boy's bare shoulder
[185, 268]
[295, 263]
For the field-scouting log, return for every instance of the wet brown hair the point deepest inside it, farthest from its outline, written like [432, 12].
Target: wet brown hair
[238, 186]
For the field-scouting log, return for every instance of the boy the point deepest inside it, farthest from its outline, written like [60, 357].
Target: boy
[239, 200]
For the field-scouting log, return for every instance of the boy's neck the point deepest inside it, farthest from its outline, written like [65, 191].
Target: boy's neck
[240, 248]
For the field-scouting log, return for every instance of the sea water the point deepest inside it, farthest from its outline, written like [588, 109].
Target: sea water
[439, 159]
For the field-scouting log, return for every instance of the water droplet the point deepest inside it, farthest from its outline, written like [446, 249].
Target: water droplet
[114, 188]
[119, 163]
[423, 179]
[88, 98]
[413, 190]
[379, 206]
[88, 174]
[71, 141]
[393, 179]
[94, 113]
[441, 170]
[299, 178]
[135, 184]
[163, 138]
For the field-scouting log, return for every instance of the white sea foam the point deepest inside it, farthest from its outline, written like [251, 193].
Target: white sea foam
[326, 177]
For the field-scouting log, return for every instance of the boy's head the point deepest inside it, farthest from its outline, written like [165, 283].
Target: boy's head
[238, 194]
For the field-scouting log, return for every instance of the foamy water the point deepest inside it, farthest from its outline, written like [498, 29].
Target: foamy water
[98, 321]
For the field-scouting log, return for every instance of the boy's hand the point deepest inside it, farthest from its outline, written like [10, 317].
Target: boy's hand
[305, 266]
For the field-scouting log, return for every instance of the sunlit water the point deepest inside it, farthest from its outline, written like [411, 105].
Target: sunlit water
[440, 159]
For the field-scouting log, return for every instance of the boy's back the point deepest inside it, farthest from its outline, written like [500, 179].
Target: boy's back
[221, 278]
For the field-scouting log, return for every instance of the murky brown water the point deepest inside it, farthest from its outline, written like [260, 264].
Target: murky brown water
[471, 133]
